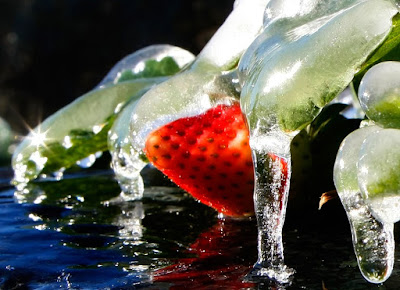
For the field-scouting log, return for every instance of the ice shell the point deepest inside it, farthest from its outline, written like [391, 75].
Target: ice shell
[136, 60]
[286, 21]
[379, 94]
[379, 175]
[5, 137]
[345, 168]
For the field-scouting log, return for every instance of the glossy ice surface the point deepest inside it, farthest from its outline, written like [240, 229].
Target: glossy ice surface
[136, 62]
[366, 172]
[88, 115]
[203, 84]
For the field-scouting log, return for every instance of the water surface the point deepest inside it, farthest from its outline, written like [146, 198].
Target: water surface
[75, 234]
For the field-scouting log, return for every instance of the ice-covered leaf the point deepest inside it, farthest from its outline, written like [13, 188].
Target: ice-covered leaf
[72, 133]
[5, 141]
[79, 130]
[297, 65]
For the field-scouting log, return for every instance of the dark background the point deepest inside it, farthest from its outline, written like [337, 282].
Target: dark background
[53, 51]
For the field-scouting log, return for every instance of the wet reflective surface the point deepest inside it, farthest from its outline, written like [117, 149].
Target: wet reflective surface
[76, 234]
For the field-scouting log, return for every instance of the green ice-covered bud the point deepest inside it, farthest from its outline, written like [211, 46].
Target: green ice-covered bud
[379, 94]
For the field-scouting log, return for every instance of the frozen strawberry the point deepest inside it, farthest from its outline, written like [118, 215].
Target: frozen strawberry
[209, 156]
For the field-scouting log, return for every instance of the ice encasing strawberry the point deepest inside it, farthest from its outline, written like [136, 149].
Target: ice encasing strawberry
[209, 156]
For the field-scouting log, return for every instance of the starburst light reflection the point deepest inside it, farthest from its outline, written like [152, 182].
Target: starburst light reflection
[37, 137]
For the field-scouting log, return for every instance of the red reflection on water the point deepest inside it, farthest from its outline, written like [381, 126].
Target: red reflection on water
[223, 255]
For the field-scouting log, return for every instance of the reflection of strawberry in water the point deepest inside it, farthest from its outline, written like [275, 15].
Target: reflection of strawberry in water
[223, 256]
[209, 156]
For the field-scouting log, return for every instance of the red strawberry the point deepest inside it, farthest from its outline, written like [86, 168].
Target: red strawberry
[209, 156]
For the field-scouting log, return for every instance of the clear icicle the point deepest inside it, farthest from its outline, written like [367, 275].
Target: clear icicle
[271, 194]
[125, 162]
[373, 240]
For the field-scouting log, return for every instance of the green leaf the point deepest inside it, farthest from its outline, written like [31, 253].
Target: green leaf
[328, 114]
[152, 68]
[389, 50]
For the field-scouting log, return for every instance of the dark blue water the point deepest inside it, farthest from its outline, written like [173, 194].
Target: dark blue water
[70, 234]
